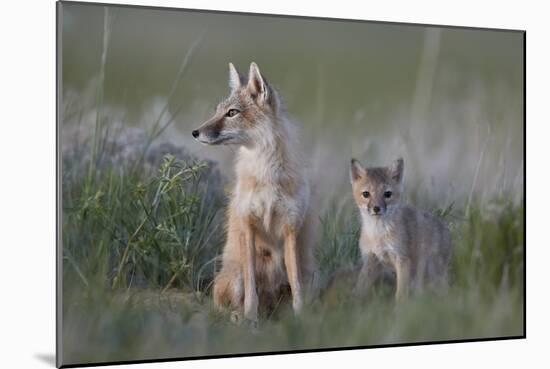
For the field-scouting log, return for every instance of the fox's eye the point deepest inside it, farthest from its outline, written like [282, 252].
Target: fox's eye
[387, 194]
[232, 112]
[366, 194]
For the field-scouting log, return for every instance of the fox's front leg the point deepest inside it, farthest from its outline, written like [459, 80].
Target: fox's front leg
[369, 273]
[403, 277]
[292, 268]
[248, 258]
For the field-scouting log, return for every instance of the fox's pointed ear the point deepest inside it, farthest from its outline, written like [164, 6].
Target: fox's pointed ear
[257, 84]
[396, 170]
[235, 79]
[356, 171]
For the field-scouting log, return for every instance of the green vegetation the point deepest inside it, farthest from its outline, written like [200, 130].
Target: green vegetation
[139, 254]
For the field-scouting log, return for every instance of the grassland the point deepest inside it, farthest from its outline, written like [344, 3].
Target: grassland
[141, 239]
[143, 209]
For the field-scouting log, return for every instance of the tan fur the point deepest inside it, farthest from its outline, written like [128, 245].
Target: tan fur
[270, 238]
[413, 243]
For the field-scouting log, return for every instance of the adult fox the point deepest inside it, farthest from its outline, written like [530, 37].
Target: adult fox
[270, 238]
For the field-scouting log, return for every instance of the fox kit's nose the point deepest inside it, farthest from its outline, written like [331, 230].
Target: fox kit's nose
[195, 133]
[376, 209]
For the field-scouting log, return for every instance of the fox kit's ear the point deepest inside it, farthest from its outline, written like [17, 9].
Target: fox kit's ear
[396, 170]
[257, 84]
[235, 79]
[356, 171]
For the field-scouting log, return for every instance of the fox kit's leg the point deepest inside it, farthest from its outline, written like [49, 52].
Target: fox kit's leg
[437, 273]
[292, 270]
[422, 272]
[403, 277]
[369, 273]
[248, 258]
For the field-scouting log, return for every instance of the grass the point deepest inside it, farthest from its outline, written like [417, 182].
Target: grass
[125, 230]
[140, 250]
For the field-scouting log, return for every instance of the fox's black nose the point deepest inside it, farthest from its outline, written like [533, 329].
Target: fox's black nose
[376, 209]
[195, 133]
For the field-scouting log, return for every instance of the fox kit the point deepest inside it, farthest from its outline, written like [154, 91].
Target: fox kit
[414, 244]
[269, 243]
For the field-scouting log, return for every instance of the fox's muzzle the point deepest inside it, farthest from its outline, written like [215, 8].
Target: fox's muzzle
[377, 210]
[210, 132]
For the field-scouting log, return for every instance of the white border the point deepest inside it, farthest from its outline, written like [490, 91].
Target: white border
[27, 187]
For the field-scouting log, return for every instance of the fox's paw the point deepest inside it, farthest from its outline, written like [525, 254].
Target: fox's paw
[252, 325]
[236, 317]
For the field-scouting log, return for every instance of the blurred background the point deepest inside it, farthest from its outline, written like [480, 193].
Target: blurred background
[449, 100]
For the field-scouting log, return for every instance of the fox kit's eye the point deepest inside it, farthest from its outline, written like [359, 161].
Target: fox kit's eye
[232, 112]
[387, 194]
[366, 194]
